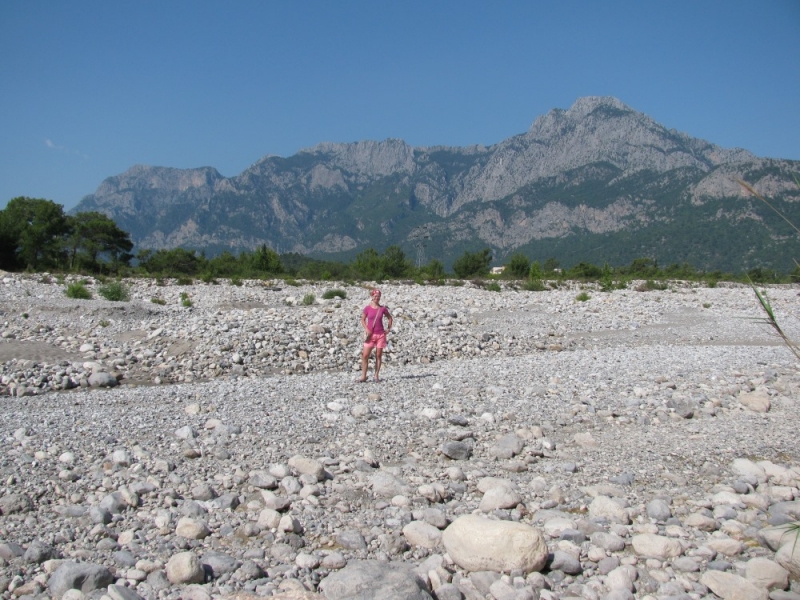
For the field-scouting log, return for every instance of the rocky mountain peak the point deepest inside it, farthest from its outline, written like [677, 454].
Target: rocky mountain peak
[368, 157]
[583, 107]
[598, 168]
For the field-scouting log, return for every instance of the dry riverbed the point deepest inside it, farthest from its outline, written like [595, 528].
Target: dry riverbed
[520, 445]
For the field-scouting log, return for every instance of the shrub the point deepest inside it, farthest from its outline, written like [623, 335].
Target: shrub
[78, 291]
[329, 294]
[519, 266]
[157, 300]
[584, 270]
[185, 300]
[582, 297]
[184, 281]
[534, 285]
[291, 281]
[236, 281]
[433, 270]
[208, 278]
[309, 299]
[104, 323]
[535, 272]
[114, 291]
[492, 286]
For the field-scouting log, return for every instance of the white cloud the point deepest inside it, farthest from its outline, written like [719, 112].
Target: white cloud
[53, 146]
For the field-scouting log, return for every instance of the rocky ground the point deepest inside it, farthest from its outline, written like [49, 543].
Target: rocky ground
[520, 445]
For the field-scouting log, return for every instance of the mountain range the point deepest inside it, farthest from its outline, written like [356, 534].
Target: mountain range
[599, 182]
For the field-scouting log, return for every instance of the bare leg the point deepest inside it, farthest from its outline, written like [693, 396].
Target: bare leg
[378, 357]
[365, 362]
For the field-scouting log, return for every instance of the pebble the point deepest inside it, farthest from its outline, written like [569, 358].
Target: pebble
[238, 423]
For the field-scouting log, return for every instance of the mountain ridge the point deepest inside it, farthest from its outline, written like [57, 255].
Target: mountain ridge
[598, 168]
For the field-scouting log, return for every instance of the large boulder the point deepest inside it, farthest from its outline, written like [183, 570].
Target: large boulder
[480, 544]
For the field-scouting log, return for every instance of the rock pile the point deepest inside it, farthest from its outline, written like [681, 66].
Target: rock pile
[653, 454]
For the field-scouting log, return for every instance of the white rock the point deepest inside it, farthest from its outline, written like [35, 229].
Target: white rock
[765, 573]
[185, 567]
[554, 527]
[419, 533]
[757, 401]
[191, 529]
[725, 545]
[269, 518]
[656, 546]
[732, 587]
[499, 497]
[479, 544]
[619, 579]
[746, 467]
[603, 506]
[307, 466]
[789, 557]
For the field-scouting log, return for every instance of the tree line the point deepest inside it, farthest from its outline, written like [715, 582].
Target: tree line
[36, 235]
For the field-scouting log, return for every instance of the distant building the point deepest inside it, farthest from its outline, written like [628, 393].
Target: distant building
[498, 270]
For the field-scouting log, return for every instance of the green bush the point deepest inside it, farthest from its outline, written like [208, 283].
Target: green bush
[472, 264]
[236, 281]
[434, 270]
[534, 285]
[492, 286]
[78, 291]
[329, 294]
[309, 299]
[184, 281]
[536, 271]
[114, 291]
[157, 300]
[185, 300]
[208, 278]
[291, 281]
[582, 297]
[519, 266]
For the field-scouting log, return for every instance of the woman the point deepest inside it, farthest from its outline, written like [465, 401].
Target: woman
[375, 335]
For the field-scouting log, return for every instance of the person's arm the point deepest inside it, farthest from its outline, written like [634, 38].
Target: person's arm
[364, 320]
[389, 316]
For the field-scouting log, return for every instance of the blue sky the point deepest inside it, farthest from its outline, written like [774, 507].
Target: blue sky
[92, 88]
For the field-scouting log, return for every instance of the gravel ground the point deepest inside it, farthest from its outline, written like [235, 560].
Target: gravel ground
[225, 449]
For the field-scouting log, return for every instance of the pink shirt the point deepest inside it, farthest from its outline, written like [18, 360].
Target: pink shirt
[375, 318]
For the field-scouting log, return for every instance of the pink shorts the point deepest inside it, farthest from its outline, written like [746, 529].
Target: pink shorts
[377, 340]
